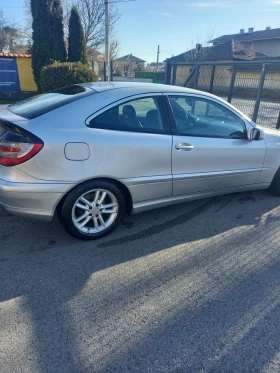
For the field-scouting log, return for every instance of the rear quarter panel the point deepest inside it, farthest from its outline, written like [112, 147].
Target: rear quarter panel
[114, 154]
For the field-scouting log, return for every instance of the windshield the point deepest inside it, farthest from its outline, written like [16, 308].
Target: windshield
[38, 105]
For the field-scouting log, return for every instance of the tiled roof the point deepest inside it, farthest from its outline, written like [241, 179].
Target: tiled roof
[249, 36]
[3, 54]
[230, 50]
[135, 59]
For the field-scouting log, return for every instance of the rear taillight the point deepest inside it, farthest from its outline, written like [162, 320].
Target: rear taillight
[18, 145]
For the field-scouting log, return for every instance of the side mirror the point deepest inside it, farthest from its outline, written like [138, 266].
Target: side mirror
[256, 134]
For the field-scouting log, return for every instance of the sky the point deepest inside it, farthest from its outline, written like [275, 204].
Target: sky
[177, 25]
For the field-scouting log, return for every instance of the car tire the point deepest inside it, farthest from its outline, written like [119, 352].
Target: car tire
[92, 210]
[275, 185]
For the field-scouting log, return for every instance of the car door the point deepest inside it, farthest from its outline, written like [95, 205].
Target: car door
[210, 148]
[131, 141]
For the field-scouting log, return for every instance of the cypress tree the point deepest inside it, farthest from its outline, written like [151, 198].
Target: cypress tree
[41, 37]
[77, 51]
[58, 50]
[47, 34]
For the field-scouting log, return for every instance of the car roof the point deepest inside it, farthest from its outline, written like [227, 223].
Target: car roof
[142, 86]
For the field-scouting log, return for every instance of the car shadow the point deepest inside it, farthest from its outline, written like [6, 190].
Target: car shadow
[206, 256]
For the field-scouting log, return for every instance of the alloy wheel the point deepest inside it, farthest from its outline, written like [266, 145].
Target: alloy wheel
[95, 211]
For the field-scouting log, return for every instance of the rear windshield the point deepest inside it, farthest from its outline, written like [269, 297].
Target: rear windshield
[38, 105]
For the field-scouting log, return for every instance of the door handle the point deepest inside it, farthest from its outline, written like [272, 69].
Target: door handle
[184, 146]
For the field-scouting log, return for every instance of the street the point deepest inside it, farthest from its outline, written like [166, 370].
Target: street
[188, 288]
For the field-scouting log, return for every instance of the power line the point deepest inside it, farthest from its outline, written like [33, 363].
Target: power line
[109, 2]
[118, 1]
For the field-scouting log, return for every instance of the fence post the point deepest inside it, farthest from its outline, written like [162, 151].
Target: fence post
[192, 71]
[111, 71]
[259, 93]
[168, 71]
[230, 93]
[105, 72]
[212, 78]
[174, 75]
[196, 77]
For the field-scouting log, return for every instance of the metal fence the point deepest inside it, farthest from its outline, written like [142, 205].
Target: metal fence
[156, 77]
[251, 86]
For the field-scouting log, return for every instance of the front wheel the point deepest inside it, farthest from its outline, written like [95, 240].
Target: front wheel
[92, 210]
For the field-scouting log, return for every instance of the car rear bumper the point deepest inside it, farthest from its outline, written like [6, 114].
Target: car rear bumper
[35, 200]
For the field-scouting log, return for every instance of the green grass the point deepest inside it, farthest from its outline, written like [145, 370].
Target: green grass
[6, 102]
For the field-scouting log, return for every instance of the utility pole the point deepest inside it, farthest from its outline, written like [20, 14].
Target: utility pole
[107, 62]
[157, 57]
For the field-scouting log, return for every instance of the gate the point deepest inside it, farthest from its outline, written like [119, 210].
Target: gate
[251, 86]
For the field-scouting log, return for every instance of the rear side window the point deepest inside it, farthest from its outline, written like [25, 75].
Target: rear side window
[41, 104]
[146, 114]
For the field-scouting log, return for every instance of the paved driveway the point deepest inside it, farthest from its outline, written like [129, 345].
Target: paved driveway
[191, 288]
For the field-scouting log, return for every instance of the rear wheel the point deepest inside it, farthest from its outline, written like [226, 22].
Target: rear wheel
[92, 210]
[275, 185]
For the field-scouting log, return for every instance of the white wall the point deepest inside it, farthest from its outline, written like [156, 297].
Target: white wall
[270, 48]
[123, 79]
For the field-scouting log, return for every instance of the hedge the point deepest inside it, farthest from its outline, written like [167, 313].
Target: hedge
[58, 75]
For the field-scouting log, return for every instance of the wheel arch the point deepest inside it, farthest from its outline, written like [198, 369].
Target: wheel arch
[123, 188]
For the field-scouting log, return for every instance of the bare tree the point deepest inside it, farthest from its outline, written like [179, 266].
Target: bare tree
[127, 65]
[28, 20]
[198, 49]
[92, 13]
[114, 47]
[126, 68]
[199, 52]
[12, 36]
[130, 65]
[138, 67]
[2, 33]
[148, 67]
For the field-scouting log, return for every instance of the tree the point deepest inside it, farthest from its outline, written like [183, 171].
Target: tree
[2, 34]
[58, 47]
[58, 75]
[76, 39]
[92, 15]
[28, 22]
[138, 67]
[12, 37]
[48, 37]
[12, 34]
[128, 65]
[114, 47]
[197, 51]
[41, 54]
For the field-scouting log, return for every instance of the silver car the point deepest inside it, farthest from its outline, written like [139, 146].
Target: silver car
[93, 151]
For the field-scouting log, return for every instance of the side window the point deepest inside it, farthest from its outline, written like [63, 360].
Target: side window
[196, 116]
[145, 114]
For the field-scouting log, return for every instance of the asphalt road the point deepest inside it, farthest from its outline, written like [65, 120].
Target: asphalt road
[191, 288]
